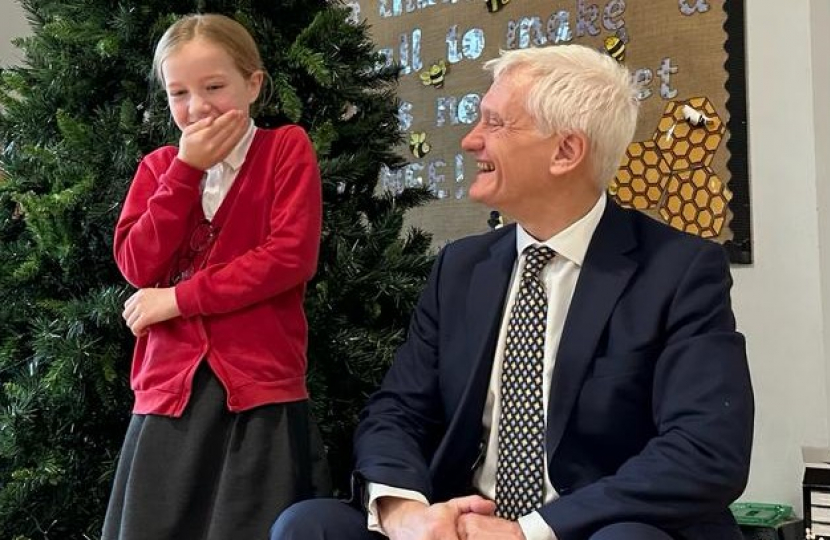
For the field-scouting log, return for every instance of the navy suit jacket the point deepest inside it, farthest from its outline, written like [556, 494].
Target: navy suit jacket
[651, 409]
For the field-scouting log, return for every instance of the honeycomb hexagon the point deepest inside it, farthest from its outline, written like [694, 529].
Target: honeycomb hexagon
[641, 178]
[696, 201]
[684, 145]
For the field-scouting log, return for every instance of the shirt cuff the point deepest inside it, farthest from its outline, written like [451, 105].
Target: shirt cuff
[535, 527]
[376, 491]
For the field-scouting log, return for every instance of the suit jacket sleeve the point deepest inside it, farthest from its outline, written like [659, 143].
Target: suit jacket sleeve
[702, 408]
[403, 421]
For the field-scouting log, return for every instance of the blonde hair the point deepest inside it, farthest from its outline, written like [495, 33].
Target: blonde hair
[217, 29]
[574, 88]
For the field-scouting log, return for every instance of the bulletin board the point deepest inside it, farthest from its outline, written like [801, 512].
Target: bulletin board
[687, 166]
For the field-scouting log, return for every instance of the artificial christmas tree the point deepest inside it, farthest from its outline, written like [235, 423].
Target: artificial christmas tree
[74, 121]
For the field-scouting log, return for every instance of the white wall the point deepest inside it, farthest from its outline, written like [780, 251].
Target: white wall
[782, 301]
[820, 17]
[12, 24]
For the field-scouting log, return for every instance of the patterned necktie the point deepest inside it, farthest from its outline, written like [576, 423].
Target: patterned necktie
[520, 466]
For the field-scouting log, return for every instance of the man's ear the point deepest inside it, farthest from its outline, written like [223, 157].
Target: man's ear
[570, 152]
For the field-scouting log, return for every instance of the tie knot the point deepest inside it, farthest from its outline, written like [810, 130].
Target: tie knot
[536, 257]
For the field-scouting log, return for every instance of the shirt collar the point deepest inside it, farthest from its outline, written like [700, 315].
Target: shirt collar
[572, 242]
[236, 157]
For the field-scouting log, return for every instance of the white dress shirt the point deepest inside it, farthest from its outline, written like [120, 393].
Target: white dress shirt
[559, 277]
[218, 179]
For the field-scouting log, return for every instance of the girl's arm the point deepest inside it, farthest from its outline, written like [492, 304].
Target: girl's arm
[155, 216]
[288, 257]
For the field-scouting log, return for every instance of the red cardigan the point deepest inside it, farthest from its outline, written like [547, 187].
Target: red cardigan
[243, 310]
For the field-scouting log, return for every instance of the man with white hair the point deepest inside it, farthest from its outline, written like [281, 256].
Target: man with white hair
[576, 375]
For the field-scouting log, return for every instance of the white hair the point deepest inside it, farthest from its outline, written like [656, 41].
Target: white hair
[574, 88]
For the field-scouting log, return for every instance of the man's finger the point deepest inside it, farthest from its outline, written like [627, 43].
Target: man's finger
[474, 503]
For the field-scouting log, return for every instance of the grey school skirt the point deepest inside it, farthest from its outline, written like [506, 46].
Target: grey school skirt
[212, 474]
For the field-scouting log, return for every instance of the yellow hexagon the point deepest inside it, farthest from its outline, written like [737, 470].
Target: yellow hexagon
[697, 154]
[705, 219]
[637, 166]
[702, 198]
[681, 148]
[681, 131]
[689, 212]
[665, 123]
[677, 222]
[641, 202]
[696, 136]
[718, 205]
[654, 194]
[687, 191]
[634, 150]
[651, 157]
[699, 178]
[653, 177]
[674, 205]
[625, 195]
[711, 143]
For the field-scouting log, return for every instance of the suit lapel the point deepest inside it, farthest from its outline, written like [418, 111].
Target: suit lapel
[485, 303]
[488, 281]
[605, 272]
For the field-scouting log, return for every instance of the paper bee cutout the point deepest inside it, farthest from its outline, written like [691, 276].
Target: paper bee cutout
[435, 75]
[495, 221]
[615, 47]
[495, 5]
[694, 116]
[418, 144]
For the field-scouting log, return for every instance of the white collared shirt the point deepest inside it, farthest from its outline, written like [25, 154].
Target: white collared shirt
[559, 278]
[218, 179]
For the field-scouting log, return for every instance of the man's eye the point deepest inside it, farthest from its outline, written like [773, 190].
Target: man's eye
[214, 87]
[176, 93]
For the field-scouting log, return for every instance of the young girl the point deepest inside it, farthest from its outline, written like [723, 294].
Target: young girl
[220, 236]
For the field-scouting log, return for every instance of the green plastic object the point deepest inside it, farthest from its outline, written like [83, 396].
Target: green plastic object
[761, 514]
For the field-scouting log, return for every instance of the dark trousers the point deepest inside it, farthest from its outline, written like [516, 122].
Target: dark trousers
[330, 519]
